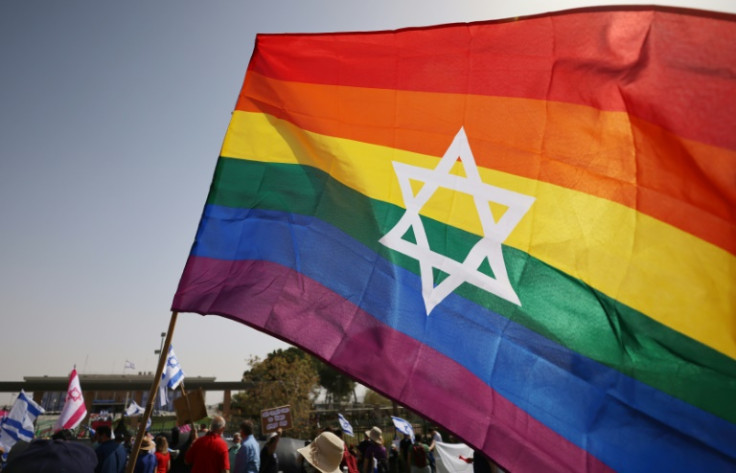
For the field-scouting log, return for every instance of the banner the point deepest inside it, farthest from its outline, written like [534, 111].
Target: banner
[275, 418]
[522, 229]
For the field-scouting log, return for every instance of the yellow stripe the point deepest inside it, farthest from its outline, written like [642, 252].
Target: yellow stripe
[671, 276]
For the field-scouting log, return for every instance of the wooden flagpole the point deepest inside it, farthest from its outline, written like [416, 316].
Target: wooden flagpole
[152, 394]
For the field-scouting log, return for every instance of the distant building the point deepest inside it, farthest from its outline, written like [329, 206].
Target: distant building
[102, 392]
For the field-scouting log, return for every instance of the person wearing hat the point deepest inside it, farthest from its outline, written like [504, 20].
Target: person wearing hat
[375, 457]
[269, 460]
[324, 453]
[146, 462]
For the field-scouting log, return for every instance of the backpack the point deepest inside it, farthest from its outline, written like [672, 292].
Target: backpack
[418, 455]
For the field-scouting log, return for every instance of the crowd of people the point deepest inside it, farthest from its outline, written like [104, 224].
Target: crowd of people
[206, 451]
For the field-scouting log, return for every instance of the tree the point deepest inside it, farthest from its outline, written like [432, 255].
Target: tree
[372, 398]
[283, 377]
[338, 386]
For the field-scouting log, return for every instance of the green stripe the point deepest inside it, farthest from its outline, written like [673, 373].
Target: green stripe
[561, 308]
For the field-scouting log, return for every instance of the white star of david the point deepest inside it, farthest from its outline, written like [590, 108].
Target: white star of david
[494, 232]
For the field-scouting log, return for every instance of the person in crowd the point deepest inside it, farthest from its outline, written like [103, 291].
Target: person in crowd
[394, 458]
[146, 460]
[375, 458]
[209, 454]
[434, 439]
[483, 464]
[404, 447]
[163, 457]
[323, 454]
[111, 455]
[248, 459]
[122, 434]
[349, 462]
[362, 446]
[58, 455]
[233, 450]
[419, 456]
[268, 458]
[178, 465]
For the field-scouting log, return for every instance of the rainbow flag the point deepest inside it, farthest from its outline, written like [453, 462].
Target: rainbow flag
[523, 230]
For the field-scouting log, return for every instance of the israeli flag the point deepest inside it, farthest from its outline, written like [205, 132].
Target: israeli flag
[133, 409]
[18, 425]
[171, 377]
[345, 425]
[403, 426]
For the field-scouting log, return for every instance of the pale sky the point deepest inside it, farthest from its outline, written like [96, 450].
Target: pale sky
[112, 115]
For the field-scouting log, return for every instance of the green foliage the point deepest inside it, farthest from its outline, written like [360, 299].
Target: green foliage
[372, 398]
[283, 377]
[339, 386]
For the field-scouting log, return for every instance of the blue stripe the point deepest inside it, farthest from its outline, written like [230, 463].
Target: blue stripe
[174, 381]
[33, 409]
[619, 420]
[15, 429]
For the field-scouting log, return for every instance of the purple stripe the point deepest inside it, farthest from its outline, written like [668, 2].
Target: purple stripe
[288, 305]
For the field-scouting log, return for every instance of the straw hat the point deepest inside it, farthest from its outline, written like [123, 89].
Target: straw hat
[325, 452]
[375, 434]
[147, 445]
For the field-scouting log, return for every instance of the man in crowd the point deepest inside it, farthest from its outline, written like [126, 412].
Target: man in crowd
[269, 459]
[208, 454]
[248, 458]
[111, 455]
[233, 450]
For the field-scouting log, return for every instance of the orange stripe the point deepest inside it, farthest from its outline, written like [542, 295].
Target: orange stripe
[607, 154]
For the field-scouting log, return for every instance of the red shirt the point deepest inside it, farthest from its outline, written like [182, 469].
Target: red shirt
[162, 462]
[208, 454]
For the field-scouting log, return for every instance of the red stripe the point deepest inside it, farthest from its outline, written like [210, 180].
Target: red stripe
[283, 303]
[670, 68]
[76, 417]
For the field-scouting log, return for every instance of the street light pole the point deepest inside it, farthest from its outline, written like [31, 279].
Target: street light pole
[158, 352]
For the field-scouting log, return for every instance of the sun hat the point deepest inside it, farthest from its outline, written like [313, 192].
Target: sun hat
[325, 452]
[147, 445]
[375, 434]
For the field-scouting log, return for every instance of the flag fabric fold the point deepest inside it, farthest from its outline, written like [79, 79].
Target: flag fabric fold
[403, 426]
[345, 425]
[525, 228]
[74, 409]
[19, 422]
[133, 409]
[171, 377]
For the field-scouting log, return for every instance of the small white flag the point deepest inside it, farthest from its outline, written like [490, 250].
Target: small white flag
[18, 425]
[74, 409]
[345, 425]
[171, 377]
[129, 365]
[403, 426]
[133, 409]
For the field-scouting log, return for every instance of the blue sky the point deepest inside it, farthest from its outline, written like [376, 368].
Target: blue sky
[112, 115]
